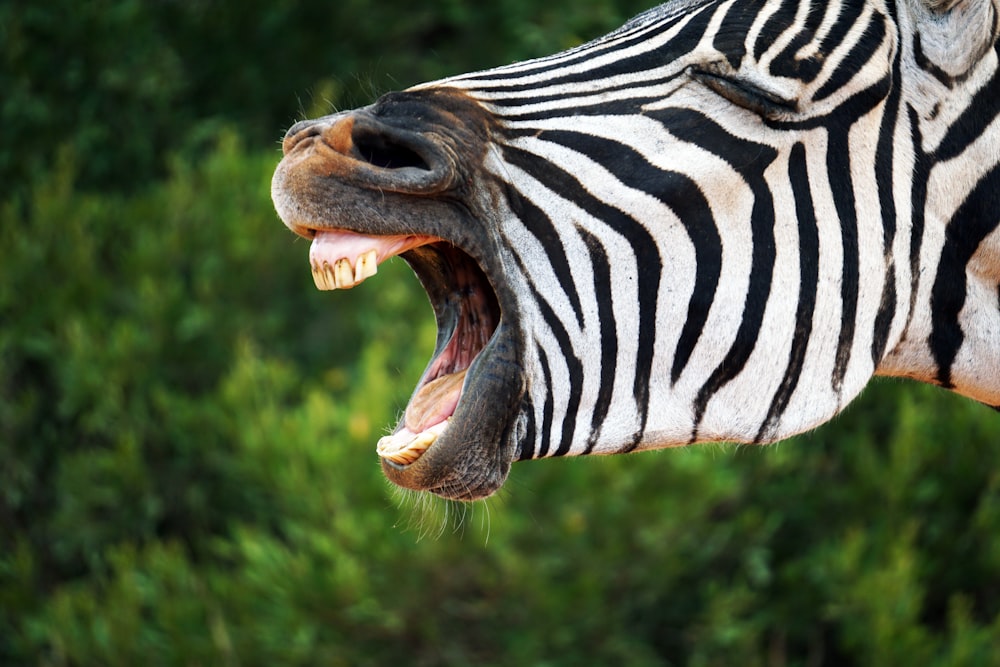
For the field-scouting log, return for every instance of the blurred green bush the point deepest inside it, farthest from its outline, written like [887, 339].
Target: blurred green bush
[187, 474]
[128, 82]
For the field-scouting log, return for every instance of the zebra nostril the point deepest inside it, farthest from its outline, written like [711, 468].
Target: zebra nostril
[393, 156]
[386, 152]
[365, 151]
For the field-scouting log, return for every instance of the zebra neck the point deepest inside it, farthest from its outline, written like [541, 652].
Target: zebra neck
[953, 334]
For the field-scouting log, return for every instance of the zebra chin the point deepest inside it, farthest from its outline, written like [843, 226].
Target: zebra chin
[385, 181]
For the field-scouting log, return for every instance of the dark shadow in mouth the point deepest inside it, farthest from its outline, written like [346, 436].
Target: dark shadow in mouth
[465, 305]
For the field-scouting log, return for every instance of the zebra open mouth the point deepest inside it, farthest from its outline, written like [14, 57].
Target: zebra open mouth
[398, 178]
[465, 306]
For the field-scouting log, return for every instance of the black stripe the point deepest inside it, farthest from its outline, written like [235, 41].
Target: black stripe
[839, 31]
[608, 334]
[859, 56]
[924, 63]
[982, 109]
[730, 38]
[749, 158]
[615, 157]
[776, 24]
[885, 315]
[576, 378]
[885, 158]
[838, 168]
[623, 92]
[540, 226]
[786, 63]
[619, 107]
[805, 213]
[527, 449]
[548, 408]
[918, 204]
[975, 219]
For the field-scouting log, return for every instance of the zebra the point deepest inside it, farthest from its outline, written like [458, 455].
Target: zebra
[715, 223]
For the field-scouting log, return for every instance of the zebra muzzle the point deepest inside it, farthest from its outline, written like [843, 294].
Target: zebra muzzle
[388, 181]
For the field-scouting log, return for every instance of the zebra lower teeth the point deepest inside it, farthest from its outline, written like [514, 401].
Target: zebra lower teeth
[404, 447]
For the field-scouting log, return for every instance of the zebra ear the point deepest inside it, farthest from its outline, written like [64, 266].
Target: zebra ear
[952, 35]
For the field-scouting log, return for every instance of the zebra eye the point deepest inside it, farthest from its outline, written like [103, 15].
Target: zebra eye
[744, 93]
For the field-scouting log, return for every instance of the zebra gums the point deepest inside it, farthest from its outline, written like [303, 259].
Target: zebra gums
[713, 224]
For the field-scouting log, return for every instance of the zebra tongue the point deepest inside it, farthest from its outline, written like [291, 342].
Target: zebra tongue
[435, 402]
[427, 417]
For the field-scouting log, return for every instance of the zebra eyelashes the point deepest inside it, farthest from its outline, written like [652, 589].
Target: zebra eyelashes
[742, 92]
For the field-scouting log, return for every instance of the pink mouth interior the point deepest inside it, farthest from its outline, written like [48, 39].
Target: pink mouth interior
[437, 398]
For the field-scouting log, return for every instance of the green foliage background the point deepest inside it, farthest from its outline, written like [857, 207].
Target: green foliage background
[187, 474]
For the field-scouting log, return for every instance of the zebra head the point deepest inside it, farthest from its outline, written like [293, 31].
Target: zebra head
[715, 223]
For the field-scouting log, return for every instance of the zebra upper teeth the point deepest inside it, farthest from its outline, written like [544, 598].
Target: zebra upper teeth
[341, 275]
[366, 266]
[342, 260]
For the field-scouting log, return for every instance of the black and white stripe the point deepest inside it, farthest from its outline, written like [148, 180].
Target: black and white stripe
[722, 219]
